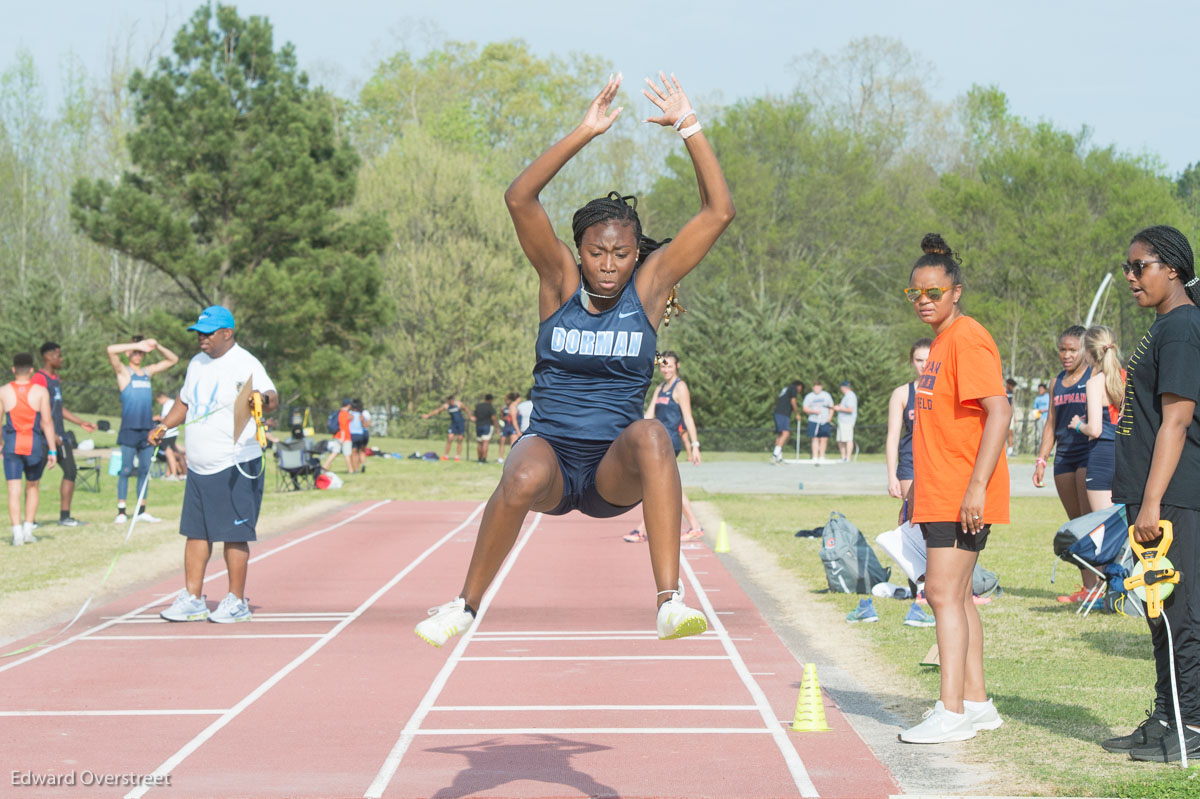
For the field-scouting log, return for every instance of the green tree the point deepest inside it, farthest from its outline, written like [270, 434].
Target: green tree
[236, 194]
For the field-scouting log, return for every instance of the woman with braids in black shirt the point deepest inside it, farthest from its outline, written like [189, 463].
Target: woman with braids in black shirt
[588, 447]
[1157, 476]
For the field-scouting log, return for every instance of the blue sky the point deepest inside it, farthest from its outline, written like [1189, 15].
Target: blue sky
[1126, 70]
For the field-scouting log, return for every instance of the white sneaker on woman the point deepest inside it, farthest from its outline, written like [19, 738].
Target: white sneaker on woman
[677, 620]
[445, 621]
[939, 726]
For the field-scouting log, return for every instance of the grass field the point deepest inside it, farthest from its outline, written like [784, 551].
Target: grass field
[1062, 682]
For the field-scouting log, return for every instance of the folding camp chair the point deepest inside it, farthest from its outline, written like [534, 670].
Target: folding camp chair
[1099, 542]
[296, 466]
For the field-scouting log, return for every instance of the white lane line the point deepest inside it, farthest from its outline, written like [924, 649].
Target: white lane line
[651, 637]
[313, 620]
[413, 725]
[45, 650]
[477, 731]
[198, 637]
[539, 708]
[577, 658]
[29, 713]
[648, 633]
[315, 614]
[191, 746]
[795, 765]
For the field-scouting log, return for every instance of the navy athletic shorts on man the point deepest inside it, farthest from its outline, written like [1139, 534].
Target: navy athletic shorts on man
[782, 422]
[223, 506]
[577, 462]
[816, 430]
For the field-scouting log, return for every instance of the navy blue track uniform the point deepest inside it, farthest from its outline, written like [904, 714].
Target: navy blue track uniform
[667, 411]
[590, 381]
[458, 425]
[1071, 453]
[904, 460]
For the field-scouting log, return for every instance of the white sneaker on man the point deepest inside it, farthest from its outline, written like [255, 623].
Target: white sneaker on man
[121, 518]
[939, 726]
[186, 608]
[677, 620]
[231, 610]
[983, 715]
[18, 535]
[27, 532]
[445, 621]
[145, 516]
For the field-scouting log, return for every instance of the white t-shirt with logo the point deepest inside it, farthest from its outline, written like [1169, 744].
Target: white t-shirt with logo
[212, 386]
[166, 408]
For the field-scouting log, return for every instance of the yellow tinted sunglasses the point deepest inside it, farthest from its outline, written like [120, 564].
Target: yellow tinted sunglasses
[934, 293]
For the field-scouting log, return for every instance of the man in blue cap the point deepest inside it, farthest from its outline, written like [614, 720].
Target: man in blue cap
[224, 487]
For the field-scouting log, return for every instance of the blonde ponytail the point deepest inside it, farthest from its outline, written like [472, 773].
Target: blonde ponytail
[1101, 347]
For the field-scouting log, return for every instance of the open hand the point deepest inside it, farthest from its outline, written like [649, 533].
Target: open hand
[670, 99]
[598, 118]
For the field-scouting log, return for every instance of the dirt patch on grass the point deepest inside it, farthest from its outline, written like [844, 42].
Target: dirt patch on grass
[28, 612]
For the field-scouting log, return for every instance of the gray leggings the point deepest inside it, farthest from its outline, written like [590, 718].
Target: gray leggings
[143, 454]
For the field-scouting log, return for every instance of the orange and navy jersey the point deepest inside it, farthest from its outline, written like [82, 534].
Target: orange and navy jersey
[23, 425]
[963, 367]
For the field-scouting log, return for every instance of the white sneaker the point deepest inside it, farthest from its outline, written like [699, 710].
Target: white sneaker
[983, 715]
[121, 519]
[18, 535]
[677, 620]
[186, 608]
[445, 622]
[939, 726]
[147, 518]
[231, 610]
[27, 532]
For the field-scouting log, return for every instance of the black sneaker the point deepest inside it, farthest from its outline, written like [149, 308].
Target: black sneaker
[70, 521]
[1146, 733]
[1166, 748]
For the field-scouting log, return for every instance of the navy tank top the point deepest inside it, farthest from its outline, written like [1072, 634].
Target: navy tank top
[1069, 402]
[455, 412]
[667, 411]
[592, 369]
[910, 414]
[137, 410]
[54, 386]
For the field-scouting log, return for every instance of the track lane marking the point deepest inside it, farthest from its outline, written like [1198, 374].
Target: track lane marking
[191, 746]
[43, 713]
[198, 637]
[413, 725]
[594, 657]
[538, 708]
[37, 653]
[791, 757]
[599, 731]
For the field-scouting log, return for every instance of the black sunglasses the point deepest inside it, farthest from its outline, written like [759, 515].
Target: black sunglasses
[1135, 266]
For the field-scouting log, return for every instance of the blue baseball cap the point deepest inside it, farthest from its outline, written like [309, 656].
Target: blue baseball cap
[212, 319]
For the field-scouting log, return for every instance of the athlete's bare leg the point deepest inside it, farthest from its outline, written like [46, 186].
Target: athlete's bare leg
[1073, 493]
[531, 481]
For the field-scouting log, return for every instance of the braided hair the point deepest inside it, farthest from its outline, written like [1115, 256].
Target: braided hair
[615, 207]
[938, 253]
[1173, 248]
[1074, 331]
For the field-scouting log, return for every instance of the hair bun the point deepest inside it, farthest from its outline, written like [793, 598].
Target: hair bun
[934, 244]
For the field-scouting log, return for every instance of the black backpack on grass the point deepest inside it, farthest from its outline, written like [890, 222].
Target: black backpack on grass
[850, 564]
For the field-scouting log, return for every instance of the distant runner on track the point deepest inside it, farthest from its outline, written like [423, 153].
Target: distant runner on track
[588, 446]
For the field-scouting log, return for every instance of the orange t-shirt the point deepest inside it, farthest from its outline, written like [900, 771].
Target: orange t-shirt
[963, 367]
[343, 433]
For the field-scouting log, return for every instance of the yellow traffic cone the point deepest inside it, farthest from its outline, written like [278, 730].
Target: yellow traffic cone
[810, 710]
[722, 539]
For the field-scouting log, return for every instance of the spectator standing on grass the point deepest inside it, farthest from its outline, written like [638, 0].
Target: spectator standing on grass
[358, 437]
[64, 443]
[137, 416]
[342, 443]
[225, 481]
[176, 460]
[28, 431]
[457, 410]
[785, 409]
[485, 425]
[902, 411]
[960, 488]
[847, 415]
[524, 412]
[1010, 388]
[819, 407]
[1041, 406]
[508, 419]
[1105, 393]
[1157, 471]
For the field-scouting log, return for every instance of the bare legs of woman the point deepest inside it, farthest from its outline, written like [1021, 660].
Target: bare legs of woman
[959, 632]
[1073, 493]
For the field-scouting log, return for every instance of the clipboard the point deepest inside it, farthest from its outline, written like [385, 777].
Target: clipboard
[241, 408]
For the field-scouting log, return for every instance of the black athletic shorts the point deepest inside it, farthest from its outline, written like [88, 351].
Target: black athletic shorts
[952, 534]
[66, 457]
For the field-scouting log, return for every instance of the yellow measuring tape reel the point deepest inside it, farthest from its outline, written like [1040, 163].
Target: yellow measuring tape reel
[1154, 577]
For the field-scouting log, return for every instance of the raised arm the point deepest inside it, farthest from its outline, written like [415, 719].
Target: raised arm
[667, 266]
[169, 359]
[553, 260]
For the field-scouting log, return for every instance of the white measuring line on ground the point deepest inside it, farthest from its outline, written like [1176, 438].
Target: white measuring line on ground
[538, 708]
[795, 765]
[648, 633]
[316, 614]
[413, 726]
[493, 731]
[649, 637]
[181, 712]
[578, 658]
[198, 637]
[37, 653]
[191, 746]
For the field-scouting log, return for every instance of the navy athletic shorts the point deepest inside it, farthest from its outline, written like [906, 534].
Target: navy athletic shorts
[782, 422]
[508, 430]
[1101, 463]
[1065, 463]
[29, 465]
[816, 430]
[223, 506]
[577, 461]
[458, 428]
[904, 465]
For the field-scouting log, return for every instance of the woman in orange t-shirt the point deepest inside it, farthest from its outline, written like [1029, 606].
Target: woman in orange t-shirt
[960, 485]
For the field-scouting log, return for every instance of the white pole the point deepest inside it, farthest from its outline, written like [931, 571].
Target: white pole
[1096, 300]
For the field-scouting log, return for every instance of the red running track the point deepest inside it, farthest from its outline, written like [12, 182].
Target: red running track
[560, 690]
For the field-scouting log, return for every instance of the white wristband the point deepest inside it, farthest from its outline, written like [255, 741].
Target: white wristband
[683, 116]
[690, 130]
[695, 443]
